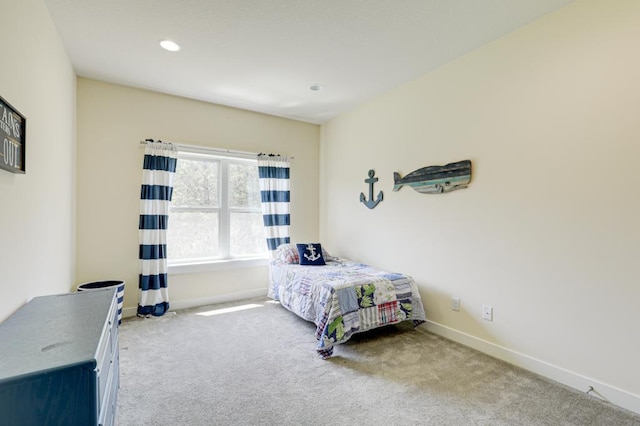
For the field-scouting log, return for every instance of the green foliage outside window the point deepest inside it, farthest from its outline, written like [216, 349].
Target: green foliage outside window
[215, 210]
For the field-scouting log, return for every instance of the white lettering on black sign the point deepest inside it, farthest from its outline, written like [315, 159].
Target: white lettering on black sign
[11, 152]
[10, 123]
[12, 138]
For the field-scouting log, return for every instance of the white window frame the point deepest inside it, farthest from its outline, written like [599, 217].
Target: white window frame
[224, 260]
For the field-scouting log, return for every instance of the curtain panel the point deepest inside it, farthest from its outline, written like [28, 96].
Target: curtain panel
[275, 197]
[159, 166]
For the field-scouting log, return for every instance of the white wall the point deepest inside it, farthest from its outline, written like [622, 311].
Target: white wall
[547, 233]
[37, 209]
[112, 119]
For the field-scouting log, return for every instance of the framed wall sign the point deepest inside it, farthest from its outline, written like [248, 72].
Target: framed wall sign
[13, 127]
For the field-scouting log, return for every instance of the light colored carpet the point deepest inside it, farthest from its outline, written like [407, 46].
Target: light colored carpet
[259, 367]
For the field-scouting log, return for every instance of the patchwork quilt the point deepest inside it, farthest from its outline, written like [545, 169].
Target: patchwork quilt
[344, 297]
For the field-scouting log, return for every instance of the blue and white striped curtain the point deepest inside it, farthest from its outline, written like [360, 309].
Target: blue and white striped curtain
[274, 191]
[159, 167]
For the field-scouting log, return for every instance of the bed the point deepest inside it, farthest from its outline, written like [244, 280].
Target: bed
[341, 297]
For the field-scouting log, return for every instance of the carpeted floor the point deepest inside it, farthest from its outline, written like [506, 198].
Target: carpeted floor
[258, 366]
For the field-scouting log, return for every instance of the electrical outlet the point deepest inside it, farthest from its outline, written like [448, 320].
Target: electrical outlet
[455, 303]
[487, 313]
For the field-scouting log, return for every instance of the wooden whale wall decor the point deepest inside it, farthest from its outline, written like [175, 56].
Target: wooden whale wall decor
[436, 179]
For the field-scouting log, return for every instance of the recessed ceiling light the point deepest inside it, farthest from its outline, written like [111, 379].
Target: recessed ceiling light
[316, 87]
[169, 45]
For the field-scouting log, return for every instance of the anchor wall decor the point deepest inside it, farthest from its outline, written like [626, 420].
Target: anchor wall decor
[371, 203]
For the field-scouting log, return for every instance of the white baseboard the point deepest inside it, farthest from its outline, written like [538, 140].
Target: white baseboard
[202, 301]
[579, 382]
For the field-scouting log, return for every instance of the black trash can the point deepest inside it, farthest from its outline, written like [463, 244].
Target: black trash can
[99, 285]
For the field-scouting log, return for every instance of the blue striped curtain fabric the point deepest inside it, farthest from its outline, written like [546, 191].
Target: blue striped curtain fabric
[275, 196]
[159, 167]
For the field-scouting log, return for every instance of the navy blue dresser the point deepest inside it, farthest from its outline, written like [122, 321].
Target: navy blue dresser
[59, 361]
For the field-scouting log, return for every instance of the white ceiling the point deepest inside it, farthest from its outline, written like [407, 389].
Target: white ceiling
[263, 55]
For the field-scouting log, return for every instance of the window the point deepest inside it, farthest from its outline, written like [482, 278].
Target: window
[215, 210]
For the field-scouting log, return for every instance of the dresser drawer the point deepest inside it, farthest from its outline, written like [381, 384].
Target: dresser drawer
[108, 412]
[104, 355]
[107, 406]
[103, 366]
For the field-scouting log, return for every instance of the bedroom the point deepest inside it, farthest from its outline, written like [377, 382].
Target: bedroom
[546, 233]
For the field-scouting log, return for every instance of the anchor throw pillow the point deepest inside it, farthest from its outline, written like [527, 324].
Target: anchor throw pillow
[310, 254]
